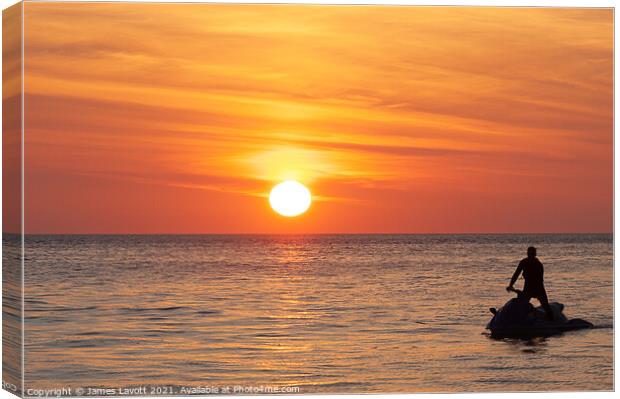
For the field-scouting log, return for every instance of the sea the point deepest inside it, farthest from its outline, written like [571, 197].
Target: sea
[201, 314]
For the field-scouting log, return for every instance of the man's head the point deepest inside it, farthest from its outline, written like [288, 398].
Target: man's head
[531, 252]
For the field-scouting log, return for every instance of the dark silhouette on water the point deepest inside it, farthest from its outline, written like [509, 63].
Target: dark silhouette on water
[519, 319]
[534, 287]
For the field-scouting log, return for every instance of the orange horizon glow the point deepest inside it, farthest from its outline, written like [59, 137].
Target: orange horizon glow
[180, 118]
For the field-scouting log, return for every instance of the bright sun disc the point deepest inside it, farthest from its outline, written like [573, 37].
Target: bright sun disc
[290, 198]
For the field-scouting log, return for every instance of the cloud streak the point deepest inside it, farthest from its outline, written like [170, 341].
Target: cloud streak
[377, 105]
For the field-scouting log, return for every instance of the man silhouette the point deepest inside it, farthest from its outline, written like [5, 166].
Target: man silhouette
[534, 286]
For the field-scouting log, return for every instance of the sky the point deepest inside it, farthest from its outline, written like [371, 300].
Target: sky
[180, 118]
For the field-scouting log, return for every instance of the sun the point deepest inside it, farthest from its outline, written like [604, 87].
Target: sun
[290, 198]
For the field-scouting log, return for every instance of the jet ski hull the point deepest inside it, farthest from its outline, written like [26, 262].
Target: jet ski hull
[527, 332]
[519, 319]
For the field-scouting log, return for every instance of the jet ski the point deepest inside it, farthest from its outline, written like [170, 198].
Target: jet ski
[518, 318]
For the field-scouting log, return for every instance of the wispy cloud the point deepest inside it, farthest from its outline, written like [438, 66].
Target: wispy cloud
[360, 102]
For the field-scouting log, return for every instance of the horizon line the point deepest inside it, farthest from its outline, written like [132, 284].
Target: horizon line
[309, 234]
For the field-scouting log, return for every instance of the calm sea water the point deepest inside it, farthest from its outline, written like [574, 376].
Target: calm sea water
[341, 313]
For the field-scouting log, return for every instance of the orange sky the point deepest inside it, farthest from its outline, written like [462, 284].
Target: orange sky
[178, 118]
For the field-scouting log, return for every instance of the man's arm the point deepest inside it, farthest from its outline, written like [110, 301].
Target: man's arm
[542, 269]
[515, 276]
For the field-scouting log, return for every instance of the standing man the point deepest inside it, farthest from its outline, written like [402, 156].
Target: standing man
[534, 286]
